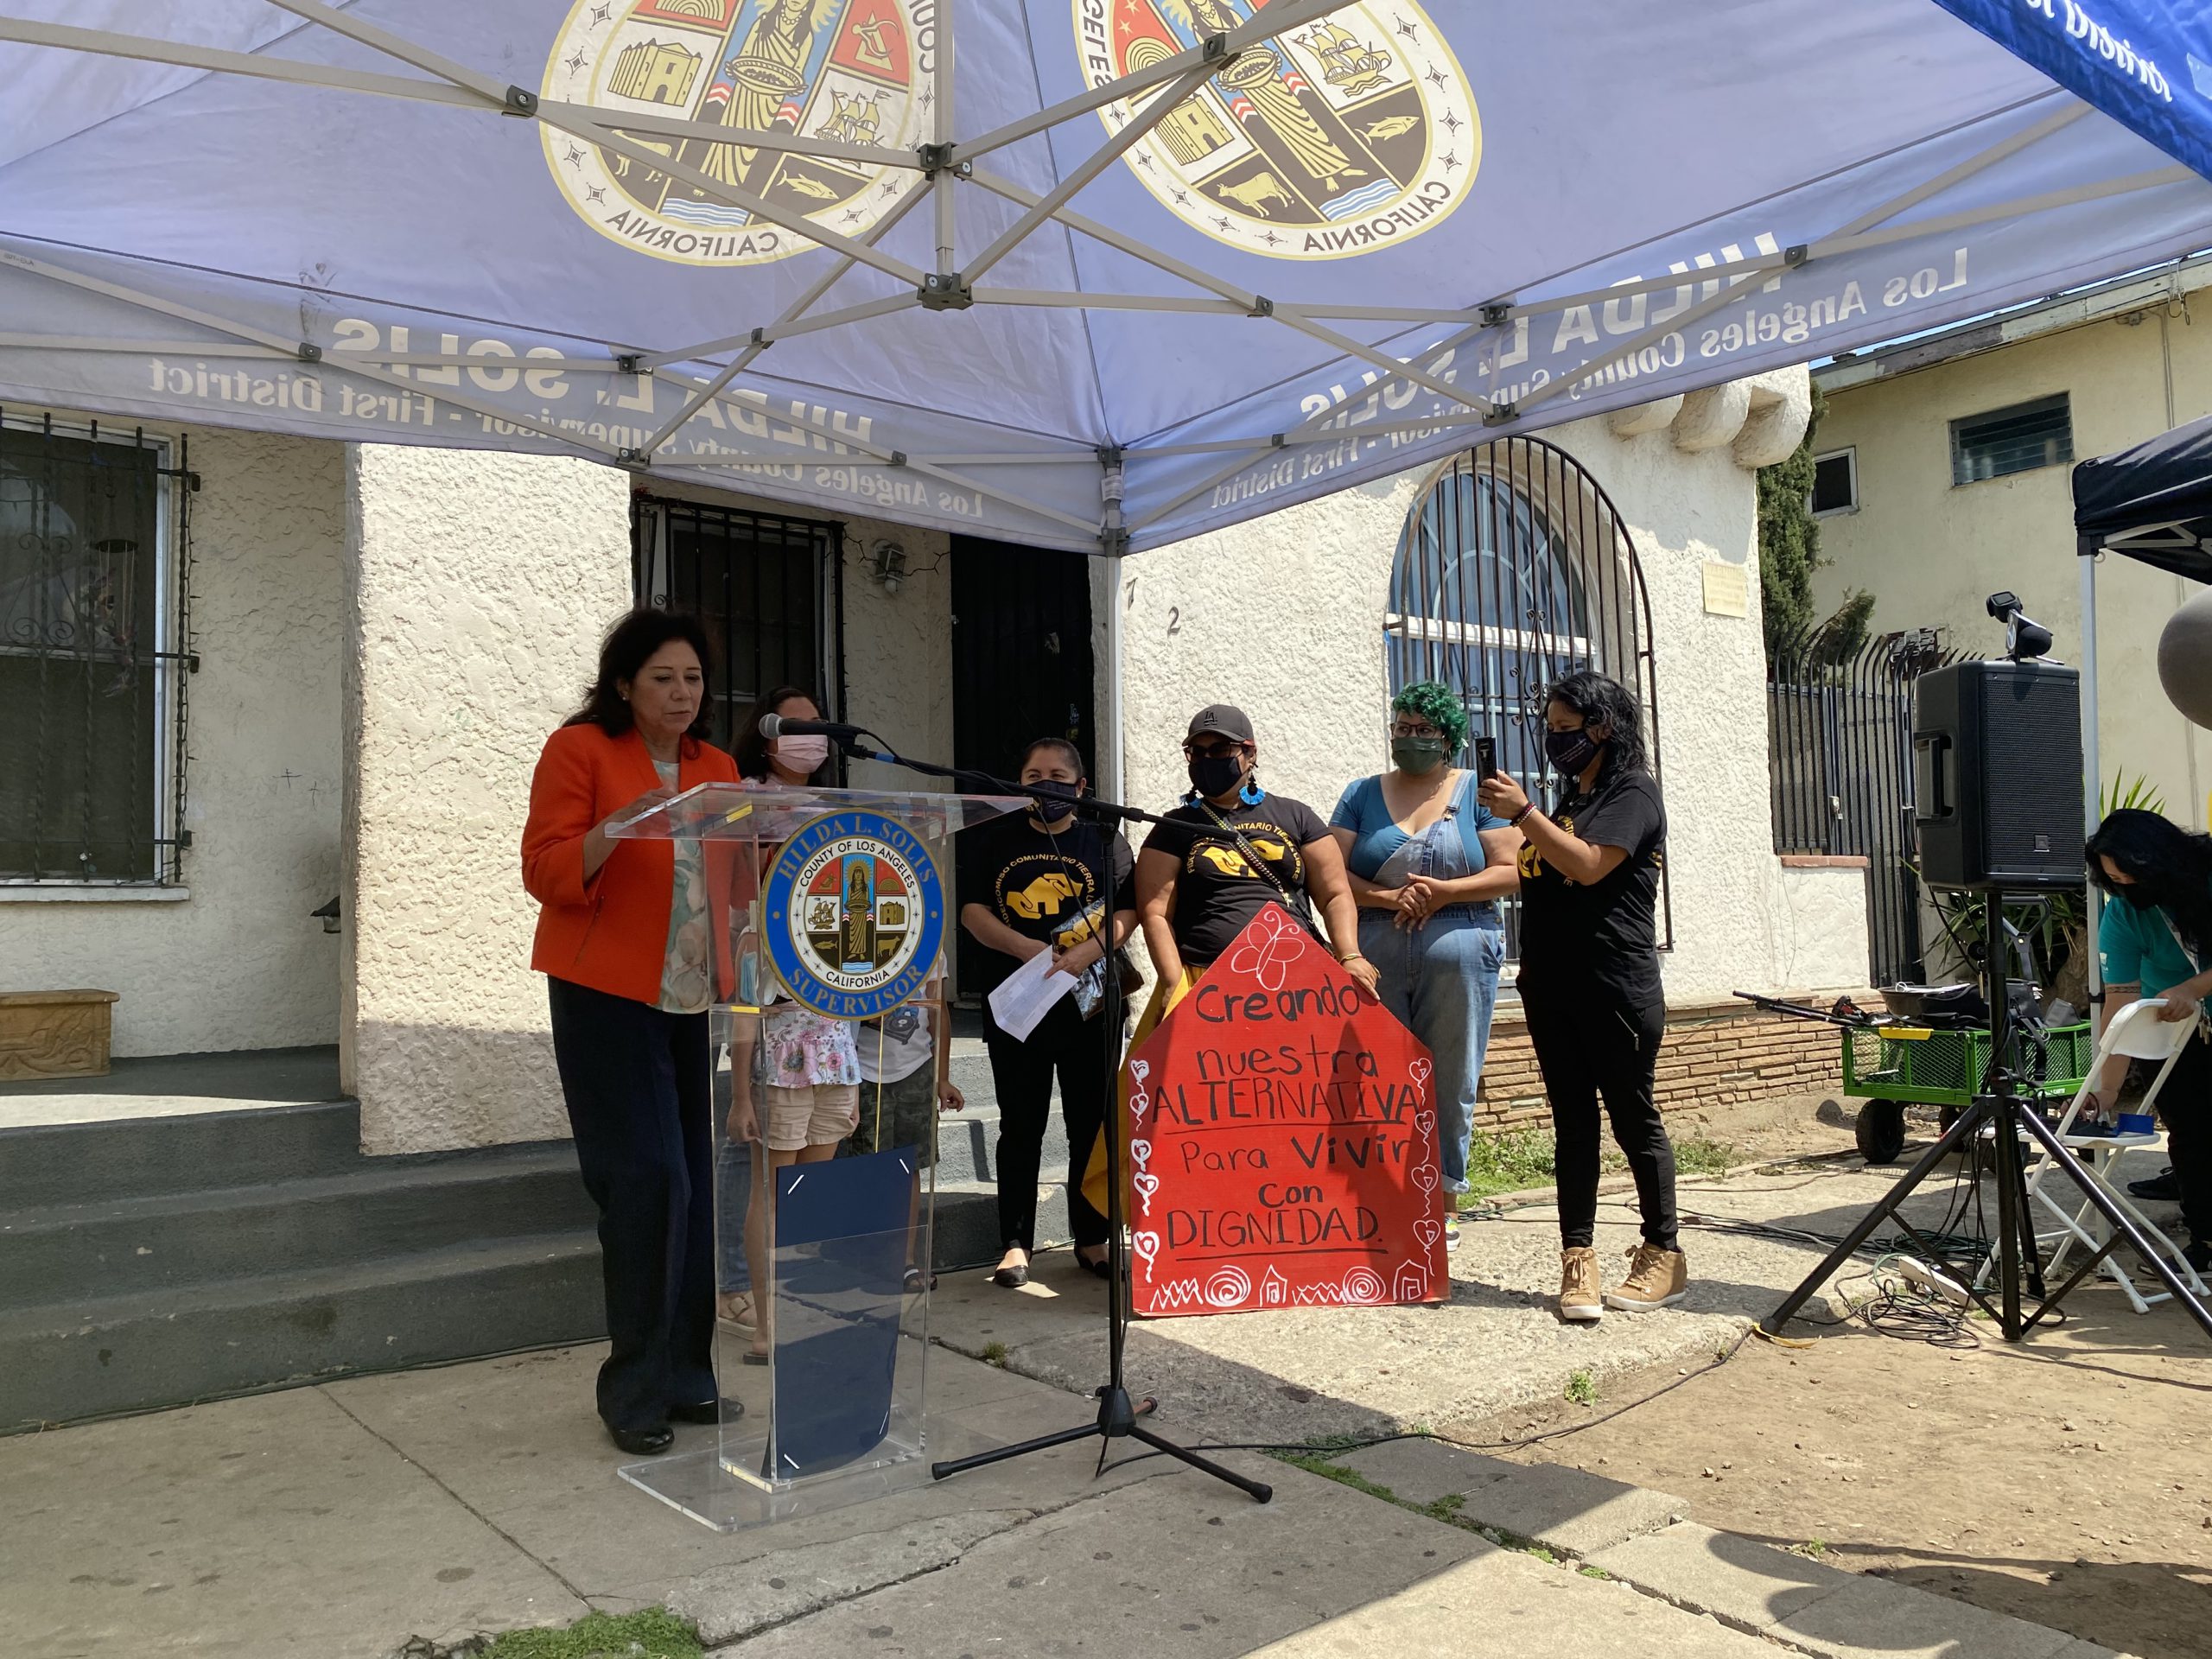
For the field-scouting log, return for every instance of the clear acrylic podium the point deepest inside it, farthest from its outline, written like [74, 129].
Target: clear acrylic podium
[834, 902]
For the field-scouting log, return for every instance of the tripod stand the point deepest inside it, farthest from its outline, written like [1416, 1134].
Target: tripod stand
[1117, 1414]
[2000, 1108]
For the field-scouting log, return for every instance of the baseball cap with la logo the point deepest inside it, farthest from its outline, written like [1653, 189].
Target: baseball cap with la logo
[1219, 720]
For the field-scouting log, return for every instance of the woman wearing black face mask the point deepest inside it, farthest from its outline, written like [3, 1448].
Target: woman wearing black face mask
[1215, 862]
[1230, 850]
[1589, 979]
[2156, 940]
[1045, 875]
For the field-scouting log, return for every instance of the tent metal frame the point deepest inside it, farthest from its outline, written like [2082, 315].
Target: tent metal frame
[946, 169]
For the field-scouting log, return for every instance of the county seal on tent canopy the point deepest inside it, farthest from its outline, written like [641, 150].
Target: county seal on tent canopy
[1348, 133]
[844, 70]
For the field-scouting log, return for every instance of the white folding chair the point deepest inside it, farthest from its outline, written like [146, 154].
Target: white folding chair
[2137, 1032]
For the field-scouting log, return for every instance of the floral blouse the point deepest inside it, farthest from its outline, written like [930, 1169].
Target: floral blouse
[799, 1049]
[687, 976]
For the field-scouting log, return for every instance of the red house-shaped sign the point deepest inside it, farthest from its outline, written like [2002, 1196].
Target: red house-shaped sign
[1282, 1141]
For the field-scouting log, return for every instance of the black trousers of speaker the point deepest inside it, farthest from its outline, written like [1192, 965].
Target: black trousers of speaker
[1997, 775]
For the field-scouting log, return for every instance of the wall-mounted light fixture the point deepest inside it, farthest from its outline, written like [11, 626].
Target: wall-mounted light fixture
[887, 563]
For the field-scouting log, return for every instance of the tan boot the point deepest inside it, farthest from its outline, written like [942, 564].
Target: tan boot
[1579, 1300]
[1656, 1278]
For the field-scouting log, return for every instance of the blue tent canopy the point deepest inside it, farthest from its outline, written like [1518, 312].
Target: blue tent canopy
[1096, 275]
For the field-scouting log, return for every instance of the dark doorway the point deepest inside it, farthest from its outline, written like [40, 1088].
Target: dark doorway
[1021, 658]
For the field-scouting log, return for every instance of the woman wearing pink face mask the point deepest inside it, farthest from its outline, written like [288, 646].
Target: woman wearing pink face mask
[794, 1075]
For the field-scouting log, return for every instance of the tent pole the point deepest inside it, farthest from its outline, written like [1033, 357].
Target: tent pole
[1215, 52]
[395, 46]
[588, 125]
[1132, 133]
[760, 338]
[146, 49]
[2092, 788]
[941, 180]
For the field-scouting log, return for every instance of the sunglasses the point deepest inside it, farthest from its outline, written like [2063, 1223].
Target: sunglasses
[1213, 751]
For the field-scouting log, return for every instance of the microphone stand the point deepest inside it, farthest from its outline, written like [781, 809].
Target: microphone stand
[1117, 1414]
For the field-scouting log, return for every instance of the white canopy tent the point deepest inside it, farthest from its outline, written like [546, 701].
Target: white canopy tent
[1179, 263]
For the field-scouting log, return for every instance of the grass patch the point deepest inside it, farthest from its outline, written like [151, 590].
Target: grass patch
[1522, 1158]
[995, 1354]
[1581, 1388]
[1597, 1572]
[1695, 1155]
[1507, 1163]
[1314, 1463]
[1813, 1550]
[654, 1633]
[1445, 1509]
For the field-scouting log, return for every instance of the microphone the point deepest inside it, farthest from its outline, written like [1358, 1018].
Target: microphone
[775, 726]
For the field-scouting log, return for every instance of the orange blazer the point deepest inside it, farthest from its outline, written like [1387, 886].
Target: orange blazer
[611, 933]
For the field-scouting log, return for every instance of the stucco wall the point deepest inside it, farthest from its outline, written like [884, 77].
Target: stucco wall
[1931, 551]
[480, 585]
[239, 964]
[1283, 617]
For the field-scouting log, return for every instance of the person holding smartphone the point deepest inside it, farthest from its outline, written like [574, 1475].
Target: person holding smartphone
[1589, 979]
[1428, 863]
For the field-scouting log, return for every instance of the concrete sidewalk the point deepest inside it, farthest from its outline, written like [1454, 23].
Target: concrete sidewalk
[337, 1521]
[1294, 1374]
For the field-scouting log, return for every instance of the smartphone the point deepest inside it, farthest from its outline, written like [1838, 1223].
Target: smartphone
[1485, 756]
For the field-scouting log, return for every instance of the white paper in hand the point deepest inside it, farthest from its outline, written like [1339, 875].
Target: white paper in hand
[1027, 995]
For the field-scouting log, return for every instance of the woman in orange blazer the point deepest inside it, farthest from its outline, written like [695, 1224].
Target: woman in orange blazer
[627, 938]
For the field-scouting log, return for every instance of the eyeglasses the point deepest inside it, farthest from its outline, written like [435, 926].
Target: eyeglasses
[1213, 751]
[1413, 728]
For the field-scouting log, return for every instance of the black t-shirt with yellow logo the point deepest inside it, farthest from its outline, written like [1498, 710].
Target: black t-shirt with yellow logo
[1041, 885]
[1604, 936]
[1216, 890]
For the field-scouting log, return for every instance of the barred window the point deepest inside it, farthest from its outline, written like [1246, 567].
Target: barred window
[768, 590]
[2014, 440]
[92, 610]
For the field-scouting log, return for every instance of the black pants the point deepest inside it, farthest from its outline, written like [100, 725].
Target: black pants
[1082, 1052]
[1587, 1045]
[638, 1086]
[2185, 1106]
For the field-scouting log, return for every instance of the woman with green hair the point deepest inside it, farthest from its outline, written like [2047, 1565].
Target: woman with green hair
[1428, 864]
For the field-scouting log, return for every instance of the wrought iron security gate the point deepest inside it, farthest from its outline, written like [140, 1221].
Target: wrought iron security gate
[769, 591]
[96, 653]
[1840, 745]
[1515, 570]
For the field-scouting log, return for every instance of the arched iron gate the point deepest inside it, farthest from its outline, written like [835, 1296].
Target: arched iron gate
[1514, 569]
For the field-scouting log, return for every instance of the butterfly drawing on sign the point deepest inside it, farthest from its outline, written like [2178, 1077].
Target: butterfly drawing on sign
[1268, 948]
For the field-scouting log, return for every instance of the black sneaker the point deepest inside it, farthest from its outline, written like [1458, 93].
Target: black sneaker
[2162, 1188]
[2199, 1255]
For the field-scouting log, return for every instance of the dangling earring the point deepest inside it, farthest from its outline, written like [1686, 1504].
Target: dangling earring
[1252, 794]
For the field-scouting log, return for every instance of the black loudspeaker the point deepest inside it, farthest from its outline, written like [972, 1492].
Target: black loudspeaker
[1997, 775]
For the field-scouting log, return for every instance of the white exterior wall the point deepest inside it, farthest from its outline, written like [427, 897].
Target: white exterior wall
[480, 587]
[238, 963]
[1283, 617]
[1931, 551]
